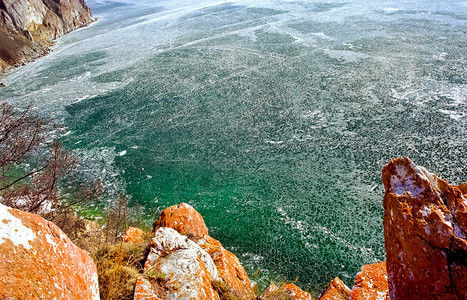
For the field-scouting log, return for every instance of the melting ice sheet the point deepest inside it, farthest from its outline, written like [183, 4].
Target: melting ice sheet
[272, 118]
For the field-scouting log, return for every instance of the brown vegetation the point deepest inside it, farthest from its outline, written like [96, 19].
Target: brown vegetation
[118, 268]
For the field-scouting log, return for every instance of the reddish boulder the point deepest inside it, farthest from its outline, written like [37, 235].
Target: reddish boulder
[287, 291]
[425, 231]
[38, 261]
[183, 218]
[371, 283]
[336, 290]
[133, 235]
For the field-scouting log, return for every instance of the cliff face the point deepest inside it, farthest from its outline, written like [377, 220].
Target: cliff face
[425, 232]
[28, 27]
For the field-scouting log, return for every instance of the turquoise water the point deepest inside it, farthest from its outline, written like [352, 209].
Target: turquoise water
[272, 118]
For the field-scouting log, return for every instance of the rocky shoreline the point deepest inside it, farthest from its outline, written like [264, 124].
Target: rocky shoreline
[28, 28]
[425, 228]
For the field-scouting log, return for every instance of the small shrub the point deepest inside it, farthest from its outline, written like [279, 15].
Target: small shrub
[224, 291]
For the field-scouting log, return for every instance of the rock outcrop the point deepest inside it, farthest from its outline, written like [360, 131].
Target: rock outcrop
[28, 27]
[144, 290]
[336, 290]
[230, 269]
[38, 261]
[425, 232]
[371, 283]
[177, 268]
[184, 219]
[133, 235]
[287, 291]
[185, 260]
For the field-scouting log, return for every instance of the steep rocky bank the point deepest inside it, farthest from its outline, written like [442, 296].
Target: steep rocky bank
[425, 226]
[29, 27]
[425, 232]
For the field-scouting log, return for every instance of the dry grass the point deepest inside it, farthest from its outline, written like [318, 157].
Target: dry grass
[118, 268]
[277, 295]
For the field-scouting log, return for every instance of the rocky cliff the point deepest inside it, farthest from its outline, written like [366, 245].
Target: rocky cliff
[425, 229]
[28, 27]
[425, 233]
[184, 262]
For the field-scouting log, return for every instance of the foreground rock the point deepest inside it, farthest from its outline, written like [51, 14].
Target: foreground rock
[336, 290]
[288, 291]
[177, 268]
[28, 27]
[38, 261]
[371, 283]
[425, 231]
[185, 261]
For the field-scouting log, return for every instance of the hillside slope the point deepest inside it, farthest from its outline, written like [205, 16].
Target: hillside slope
[28, 27]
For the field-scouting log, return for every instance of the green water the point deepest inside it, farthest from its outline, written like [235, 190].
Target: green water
[273, 120]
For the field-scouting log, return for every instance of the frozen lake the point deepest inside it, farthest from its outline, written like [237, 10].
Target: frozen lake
[272, 118]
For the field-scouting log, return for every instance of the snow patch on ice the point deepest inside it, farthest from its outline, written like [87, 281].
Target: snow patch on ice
[346, 56]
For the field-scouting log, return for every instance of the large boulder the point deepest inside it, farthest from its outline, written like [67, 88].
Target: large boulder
[336, 290]
[371, 283]
[425, 231]
[133, 235]
[229, 267]
[183, 218]
[177, 268]
[38, 261]
[144, 290]
[187, 221]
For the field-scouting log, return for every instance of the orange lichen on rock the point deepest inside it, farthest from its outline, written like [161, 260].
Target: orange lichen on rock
[183, 218]
[144, 291]
[223, 266]
[371, 283]
[229, 267]
[133, 235]
[336, 290]
[38, 261]
[295, 292]
[425, 231]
